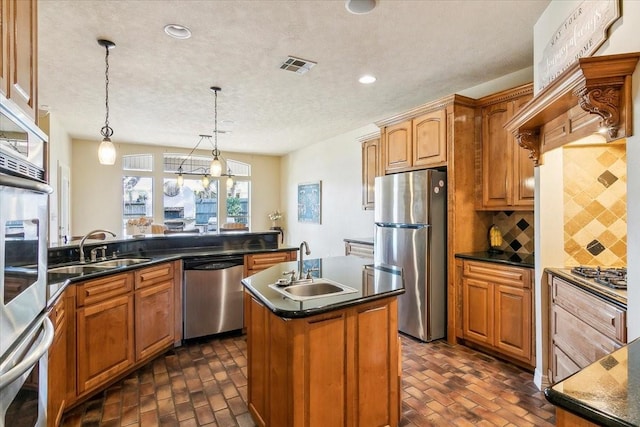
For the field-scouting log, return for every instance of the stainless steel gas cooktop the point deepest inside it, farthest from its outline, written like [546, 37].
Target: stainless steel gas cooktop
[615, 278]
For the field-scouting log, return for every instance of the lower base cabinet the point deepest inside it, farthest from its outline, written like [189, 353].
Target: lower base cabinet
[57, 360]
[497, 309]
[338, 368]
[120, 322]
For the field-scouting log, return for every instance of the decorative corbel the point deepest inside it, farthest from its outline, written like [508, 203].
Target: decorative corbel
[529, 139]
[603, 100]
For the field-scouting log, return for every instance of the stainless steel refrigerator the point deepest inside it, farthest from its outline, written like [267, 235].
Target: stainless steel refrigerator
[411, 232]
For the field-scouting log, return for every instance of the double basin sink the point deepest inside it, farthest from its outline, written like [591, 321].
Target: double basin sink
[95, 267]
[308, 289]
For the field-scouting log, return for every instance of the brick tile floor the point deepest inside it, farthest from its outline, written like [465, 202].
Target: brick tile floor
[204, 383]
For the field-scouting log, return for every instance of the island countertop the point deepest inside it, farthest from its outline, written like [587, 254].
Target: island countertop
[606, 392]
[370, 282]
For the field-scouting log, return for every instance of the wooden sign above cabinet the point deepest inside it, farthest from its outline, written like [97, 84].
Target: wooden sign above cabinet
[600, 86]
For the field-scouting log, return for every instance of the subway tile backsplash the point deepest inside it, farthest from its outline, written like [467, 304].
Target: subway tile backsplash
[595, 205]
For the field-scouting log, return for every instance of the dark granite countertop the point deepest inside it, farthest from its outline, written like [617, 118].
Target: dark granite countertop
[510, 258]
[346, 270]
[606, 392]
[363, 240]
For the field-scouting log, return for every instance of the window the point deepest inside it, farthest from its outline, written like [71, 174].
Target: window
[190, 207]
[238, 195]
[137, 189]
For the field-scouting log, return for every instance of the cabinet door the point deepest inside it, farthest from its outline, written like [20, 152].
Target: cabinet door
[4, 47]
[375, 343]
[397, 147]
[513, 325]
[23, 46]
[523, 185]
[154, 312]
[325, 370]
[497, 155]
[105, 345]
[478, 310]
[57, 369]
[370, 169]
[430, 139]
[256, 316]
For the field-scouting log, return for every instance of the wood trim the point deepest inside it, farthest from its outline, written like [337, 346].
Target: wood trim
[438, 104]
[601, 85]
[506, 95]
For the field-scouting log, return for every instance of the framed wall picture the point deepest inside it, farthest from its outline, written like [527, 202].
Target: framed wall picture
[310, 202]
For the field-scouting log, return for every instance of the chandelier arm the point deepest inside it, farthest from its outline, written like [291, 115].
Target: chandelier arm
[192, 150]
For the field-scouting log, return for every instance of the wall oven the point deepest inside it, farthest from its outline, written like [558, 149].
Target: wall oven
[26, 332]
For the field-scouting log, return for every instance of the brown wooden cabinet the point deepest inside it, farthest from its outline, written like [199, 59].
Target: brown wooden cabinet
[19, 48]
[254, 263]
[506, 171]
[337, 368]
[370, 170]
[498, 309]
[121, 321]
[154, 309]
[418, 143]
[105, 334]
[584, 328]
[57, 369]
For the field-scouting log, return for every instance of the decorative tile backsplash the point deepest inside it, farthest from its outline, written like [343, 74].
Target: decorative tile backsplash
[595, 205]
[517, 231]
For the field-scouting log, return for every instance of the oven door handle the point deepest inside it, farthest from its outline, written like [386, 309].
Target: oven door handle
[33, 357]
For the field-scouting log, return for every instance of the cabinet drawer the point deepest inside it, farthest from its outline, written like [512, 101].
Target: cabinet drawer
[98, 290]
[602, 316]
[57, 312]
[562, 365]
[262, 261]
[579, 341]
[498, 273]
[359, 249]
[152, 275]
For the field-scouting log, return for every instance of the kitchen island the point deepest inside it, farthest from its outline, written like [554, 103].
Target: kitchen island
[331, 360]
[606, 392]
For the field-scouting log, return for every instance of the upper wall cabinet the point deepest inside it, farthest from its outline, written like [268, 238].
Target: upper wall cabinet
[18, 72]
[506, 172]
[416, 144]
[370, 169]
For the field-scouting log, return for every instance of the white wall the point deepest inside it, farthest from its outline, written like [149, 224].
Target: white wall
[97, 189]
[549, 241]
[59, 154]
[336, 162]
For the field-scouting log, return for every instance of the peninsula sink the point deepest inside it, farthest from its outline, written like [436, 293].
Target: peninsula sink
[123, 262]
[317, 288]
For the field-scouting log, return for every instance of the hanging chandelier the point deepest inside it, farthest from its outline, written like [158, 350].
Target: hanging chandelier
[215, 168]
[106, 150]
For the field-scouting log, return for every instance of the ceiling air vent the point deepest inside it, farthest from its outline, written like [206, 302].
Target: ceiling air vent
[297, 65]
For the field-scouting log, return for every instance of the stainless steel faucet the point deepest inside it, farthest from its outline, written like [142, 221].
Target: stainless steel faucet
[301, 260]
[86, 236]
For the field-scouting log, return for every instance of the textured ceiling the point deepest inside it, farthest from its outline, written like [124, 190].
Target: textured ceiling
[159, 87]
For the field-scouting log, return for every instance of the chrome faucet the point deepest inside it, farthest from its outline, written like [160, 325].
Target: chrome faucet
[301, 260]
[86, 236]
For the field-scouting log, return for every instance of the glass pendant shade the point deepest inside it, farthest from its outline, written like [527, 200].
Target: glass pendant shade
[205, 181]
[180, 180]
[216, 167]
[107, 152]
[229, 183]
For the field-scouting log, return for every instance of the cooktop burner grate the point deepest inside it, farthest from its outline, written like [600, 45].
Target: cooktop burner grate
[612, 277]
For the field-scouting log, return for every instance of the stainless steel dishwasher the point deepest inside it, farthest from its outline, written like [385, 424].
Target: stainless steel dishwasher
[212, 295]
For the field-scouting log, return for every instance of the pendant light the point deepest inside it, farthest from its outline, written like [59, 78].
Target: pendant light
[216, 164]
[106, 150]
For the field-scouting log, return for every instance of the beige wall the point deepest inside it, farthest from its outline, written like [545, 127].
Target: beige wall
[97, 189]
[549, 198]
[59, 156]
[336, 162]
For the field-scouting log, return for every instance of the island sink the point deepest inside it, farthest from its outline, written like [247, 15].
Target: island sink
[317, 288]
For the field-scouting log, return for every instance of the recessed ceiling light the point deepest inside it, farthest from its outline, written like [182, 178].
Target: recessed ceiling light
[177, 31]
[360, 7]
[367, 79]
